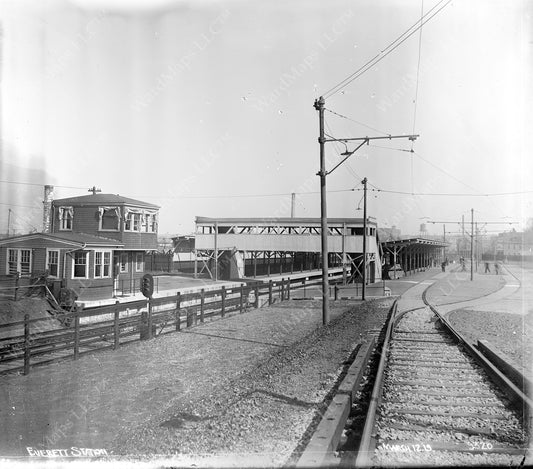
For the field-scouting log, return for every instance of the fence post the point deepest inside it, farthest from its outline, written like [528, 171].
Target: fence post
[76, 333]
[289, 288]
[256, 293]
[202, 303]
[282, 289]
[149, 318]
[304, 286]
[116, 329]
[178, 313]
[223, 300]
[269, 292]
[336, 292]
[27, 351]
[242, 298]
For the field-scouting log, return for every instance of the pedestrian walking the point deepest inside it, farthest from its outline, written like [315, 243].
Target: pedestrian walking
[497, 268]
[443, 266]
[487, 267]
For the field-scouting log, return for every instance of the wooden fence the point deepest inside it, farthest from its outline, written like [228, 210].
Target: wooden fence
[12, 287]
[38, 341]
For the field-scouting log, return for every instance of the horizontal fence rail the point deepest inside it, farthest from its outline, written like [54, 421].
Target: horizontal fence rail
[42, 340]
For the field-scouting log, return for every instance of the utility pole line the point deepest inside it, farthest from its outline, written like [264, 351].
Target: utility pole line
[363, 290]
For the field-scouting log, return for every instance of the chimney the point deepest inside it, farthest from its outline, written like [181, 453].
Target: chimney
[47, 208]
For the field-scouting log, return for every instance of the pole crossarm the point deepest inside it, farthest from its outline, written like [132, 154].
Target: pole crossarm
[363, 140]
[367, 139]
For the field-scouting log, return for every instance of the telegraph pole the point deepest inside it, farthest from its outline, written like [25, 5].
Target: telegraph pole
[319, 106]
[363, 290]
[472, 247]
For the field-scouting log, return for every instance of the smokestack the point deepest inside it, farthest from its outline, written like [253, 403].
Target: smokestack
[47, 208]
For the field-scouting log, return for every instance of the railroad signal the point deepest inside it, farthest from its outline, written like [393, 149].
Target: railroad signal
[147, 285]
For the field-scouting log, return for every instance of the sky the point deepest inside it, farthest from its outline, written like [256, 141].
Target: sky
[206, 108]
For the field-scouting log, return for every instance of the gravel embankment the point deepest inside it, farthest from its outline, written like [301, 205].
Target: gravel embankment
[262, 415]
[510, 333]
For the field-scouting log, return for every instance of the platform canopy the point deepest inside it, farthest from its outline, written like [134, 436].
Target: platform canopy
[414, 253]
[413, 242]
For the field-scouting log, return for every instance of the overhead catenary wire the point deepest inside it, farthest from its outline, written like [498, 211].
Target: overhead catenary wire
[357, 122]
[22, 183]
[442, 170]
[390, 48]
[451, 194]
[417, 71]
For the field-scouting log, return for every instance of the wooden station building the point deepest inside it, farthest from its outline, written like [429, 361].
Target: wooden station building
[93, 244]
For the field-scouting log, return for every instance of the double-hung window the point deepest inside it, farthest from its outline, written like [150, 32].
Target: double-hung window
[152, 223]
[102, 264]
[18, 260]
[52, 262]
[123, 262]
[66, 215]
[79, 268]
[133, 221]
[139, 262]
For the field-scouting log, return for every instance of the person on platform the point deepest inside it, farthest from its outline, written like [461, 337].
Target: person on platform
[487, 267]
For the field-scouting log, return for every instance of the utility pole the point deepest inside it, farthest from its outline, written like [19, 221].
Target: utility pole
[216, 251]
[472, 248]
[477, 246]
[319, 106]
[363, 290]
[463, 235]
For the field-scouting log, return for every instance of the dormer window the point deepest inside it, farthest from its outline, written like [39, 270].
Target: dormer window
[109, 218]
[142, 221]
[151, 222]
[133, 220]
[66, 215]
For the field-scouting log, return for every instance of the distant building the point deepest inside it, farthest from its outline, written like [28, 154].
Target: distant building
[512, 245]
[94, 244]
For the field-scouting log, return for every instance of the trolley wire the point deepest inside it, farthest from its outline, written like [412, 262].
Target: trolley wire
[390, 48]
[357, 122]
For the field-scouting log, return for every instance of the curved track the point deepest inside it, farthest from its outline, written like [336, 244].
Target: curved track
[438, 401]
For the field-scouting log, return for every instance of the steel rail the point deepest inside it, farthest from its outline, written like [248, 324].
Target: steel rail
[515, 395]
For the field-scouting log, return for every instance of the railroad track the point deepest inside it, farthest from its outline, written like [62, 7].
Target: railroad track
[438, 401]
